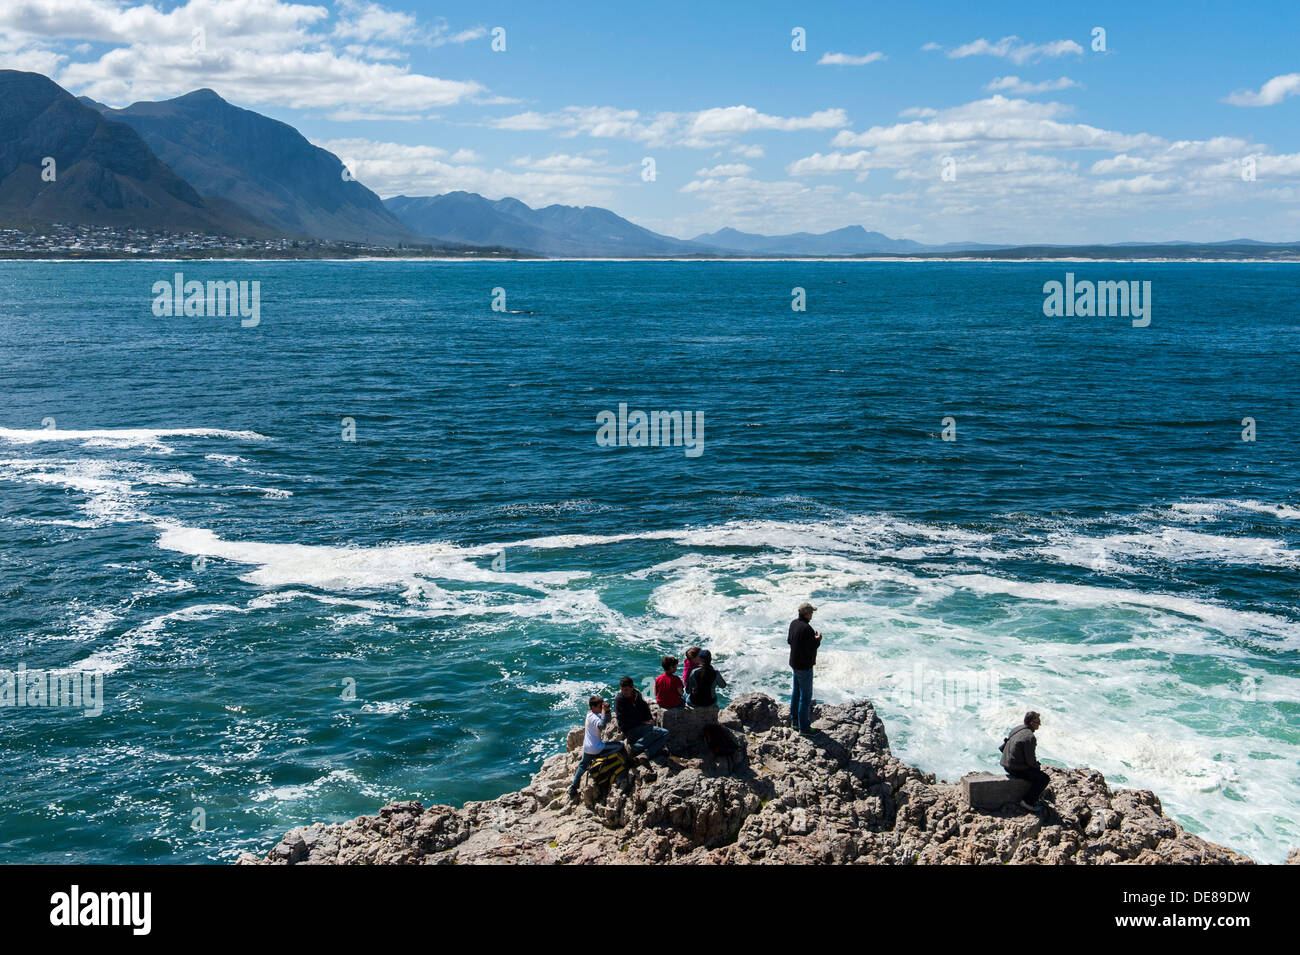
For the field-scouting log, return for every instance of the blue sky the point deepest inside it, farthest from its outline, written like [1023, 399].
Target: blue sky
[937, 121]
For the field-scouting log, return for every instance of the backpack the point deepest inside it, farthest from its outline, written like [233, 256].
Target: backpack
[606, 768]
[721, 744]
[719, 740]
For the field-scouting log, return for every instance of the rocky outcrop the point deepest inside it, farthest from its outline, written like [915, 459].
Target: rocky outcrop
[837, 795]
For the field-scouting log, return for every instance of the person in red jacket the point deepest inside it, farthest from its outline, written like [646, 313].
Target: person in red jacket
[669, 686]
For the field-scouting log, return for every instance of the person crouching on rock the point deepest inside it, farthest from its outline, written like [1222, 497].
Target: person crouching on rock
[669, 686]
[634, 720]
[1020, 759]
[593, 747]
[701, 691]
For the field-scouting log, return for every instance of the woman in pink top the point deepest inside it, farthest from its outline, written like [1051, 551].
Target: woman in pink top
[692, 661]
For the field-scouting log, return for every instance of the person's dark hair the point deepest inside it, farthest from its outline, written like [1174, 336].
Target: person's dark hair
[670, 664]
[626, 681]
[596, 701]
[1032, 717]
[692, 652]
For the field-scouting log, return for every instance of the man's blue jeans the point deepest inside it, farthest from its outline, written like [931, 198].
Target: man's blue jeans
[801, 700]
[589, 758]
[647, 739]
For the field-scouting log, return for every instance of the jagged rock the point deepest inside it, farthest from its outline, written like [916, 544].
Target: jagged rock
[836, 796]
[685, 726]
[752, 713]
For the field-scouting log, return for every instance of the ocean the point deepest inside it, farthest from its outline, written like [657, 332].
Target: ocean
[376, 546]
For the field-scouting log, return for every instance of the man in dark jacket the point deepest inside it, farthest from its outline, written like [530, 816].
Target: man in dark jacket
[804, 642]
[633, 714]
[1020, 759]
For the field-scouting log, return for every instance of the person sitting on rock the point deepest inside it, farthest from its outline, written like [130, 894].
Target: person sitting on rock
[692, 661]
[1020, 760]
[701, 690]
[669, 686]
[634, 720]
[593, 747]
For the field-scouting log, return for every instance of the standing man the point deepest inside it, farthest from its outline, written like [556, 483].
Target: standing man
[593, 747]
[804, 642]
[634, 720]
[1020, 759]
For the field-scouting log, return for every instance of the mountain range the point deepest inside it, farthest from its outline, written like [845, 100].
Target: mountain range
[260, 164]
[62, 161]
[199, 163]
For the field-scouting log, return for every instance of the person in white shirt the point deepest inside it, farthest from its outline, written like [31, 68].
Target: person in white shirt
[593, 747]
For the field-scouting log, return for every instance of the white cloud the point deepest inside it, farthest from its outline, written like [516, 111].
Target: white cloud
[369, 22]
[751, 203]
[724, 169]
[1010, 48]
[1138, 185]
[848, 59]
[1016, 86]
[1270, 94]
[1124, 163]
[830, 163]
[995, 120]
[735, 120]
[705, 129]
[749, 151]
[252, 51]
[394, 168]
[564, 162]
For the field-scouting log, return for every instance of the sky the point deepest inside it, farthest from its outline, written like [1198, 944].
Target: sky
[1005, 123]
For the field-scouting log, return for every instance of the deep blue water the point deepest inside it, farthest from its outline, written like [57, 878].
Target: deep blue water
[1098, 543]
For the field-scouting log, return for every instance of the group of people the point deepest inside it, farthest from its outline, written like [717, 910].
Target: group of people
[698, 687]
[644, 737]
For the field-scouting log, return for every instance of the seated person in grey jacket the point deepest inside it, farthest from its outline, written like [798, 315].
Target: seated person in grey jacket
[1020, 759]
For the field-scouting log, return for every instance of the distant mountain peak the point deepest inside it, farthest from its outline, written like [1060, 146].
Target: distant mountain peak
[264, 165]
[107, 173]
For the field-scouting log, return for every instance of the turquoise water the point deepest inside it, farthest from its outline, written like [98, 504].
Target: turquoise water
[291, 626]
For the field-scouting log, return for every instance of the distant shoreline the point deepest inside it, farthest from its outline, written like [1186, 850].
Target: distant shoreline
[919, 259]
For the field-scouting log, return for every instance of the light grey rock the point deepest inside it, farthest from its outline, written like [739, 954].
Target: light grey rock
[992, 791]
[836, 796]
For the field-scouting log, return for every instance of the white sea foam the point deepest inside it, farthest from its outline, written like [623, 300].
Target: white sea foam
[412, 567]
[570, 695]
[123, 437]
[1213, 510]
[334, 779]
[1173, 545]
[124, 651]
[113, 490]
[1107, 665]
